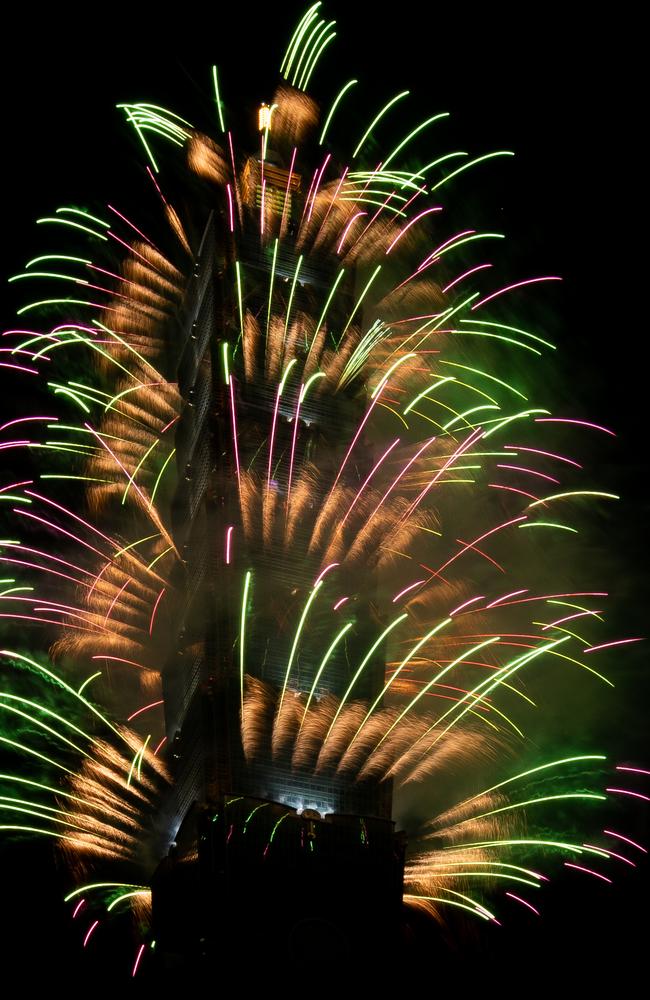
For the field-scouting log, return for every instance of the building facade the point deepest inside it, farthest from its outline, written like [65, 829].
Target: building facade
[247, 823]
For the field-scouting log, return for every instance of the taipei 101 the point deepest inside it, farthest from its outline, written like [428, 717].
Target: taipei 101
[322, 596]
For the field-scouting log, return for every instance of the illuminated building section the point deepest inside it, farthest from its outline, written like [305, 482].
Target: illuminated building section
[262, 824]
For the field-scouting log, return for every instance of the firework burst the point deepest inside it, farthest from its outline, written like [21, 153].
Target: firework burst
[389, 514]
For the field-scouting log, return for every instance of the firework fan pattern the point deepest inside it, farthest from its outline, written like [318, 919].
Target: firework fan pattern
[398, 490]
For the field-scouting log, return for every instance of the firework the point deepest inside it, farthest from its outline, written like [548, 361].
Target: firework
[397, 493]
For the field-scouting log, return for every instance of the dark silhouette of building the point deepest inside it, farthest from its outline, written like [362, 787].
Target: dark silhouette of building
[299, 863]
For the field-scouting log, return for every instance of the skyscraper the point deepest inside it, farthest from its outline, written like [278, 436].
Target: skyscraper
[345, 434]
[243, 802]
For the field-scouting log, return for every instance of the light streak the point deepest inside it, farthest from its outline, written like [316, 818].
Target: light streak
[619, 836]
[377, 119]
[608, 645]
[291, 295]
[240, 303]
[411, 135]
[460, 607]
[217, 98]
[627, 791]
[127, 895]
[231, 216]
[234, 430]
[129, 223]
[145, 708]
[469, 545]
[589, 871]
[417, 583]
[368, 478]
[336, 103]
[88, 680]
[296, 38]
[549, 524]
[242, 636]
[324, 571]
[304, 389]
[619, 857]
[137, 960]
[90, 931]
[427, 211]
[318, 50]
[330, 651]
[155, 608]
[275, 256]
[471, 163]
[580, 423]
[523, 902]
[296, 638]
[450, 902]
[356, 216]
[407, 659]
[316, 186]
[435, 680]
[465, 274]
[141, 758]
[275, 416]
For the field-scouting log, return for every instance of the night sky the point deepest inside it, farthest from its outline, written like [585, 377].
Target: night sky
[562, 96]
